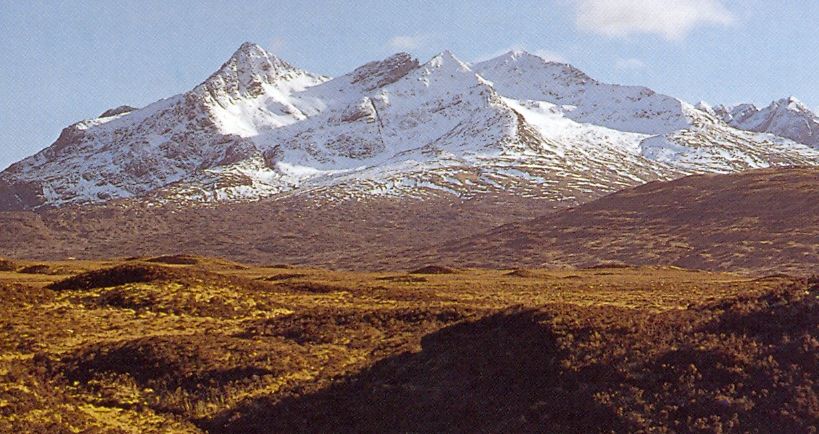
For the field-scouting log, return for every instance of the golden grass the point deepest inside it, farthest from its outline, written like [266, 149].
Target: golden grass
[212, 341]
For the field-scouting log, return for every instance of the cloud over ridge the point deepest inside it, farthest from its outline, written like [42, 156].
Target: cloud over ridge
[672, 20]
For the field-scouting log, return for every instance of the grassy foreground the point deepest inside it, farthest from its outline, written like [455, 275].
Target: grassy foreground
[190, 344]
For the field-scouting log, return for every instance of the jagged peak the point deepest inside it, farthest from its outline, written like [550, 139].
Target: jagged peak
[248, 69]
[251, 47]
[790, 103]
[517, 55]
[522, 60]
[744, 107]
[789, 100]
[445, 66]
[117, 111]
[382, 72]
[447, 59]
[399, 57]
[253, 58]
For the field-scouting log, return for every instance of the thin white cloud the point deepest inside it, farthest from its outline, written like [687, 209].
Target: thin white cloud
[672, 20]
[276, 44]
[630, 63]
[407, 42]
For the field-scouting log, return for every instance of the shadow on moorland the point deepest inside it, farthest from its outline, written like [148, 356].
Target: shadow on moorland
[501, 373]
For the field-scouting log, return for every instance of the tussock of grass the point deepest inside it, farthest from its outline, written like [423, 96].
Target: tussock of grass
[40, 269]
[280, 266]
[144, 273]
[333, 325]
[13, 293]
[609, 265]
[185, 259]
[434, 269]
[283, 276]
[407, 278]
[521, 272]
[310, 287]
[7, 265]
[116, 276]
[175, 259]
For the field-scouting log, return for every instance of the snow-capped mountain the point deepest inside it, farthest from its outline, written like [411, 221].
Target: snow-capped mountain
[787, 117]
[130, 152]
[678, 134]
[524, 76]
[260, 127]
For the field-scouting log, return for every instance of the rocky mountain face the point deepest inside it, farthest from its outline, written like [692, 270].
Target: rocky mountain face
[260, 127]
[787, 117]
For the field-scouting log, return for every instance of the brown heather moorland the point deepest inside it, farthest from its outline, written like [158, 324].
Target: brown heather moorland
[760, 221]
[191, 344]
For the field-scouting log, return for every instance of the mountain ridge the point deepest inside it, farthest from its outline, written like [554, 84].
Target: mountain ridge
[786, 117]
[260, 128]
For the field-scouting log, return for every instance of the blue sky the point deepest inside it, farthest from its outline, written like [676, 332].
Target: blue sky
[65, 61]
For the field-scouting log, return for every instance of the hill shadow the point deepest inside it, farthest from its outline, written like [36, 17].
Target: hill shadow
[501, 373]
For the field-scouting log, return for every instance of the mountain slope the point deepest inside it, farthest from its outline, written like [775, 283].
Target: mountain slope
[261, 128]
[294, 229]
[758, 220]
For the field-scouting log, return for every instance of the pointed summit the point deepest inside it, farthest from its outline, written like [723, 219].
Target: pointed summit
[523, 64]
[446, 59]
[252, 56]
[248, 70]
[518, 56]
[251, 47]
[445, 67]
[513, 55]
[791, 103]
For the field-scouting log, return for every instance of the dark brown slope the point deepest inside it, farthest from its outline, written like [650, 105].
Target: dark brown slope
[766, 220]
[350, 234]
[762, 220]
